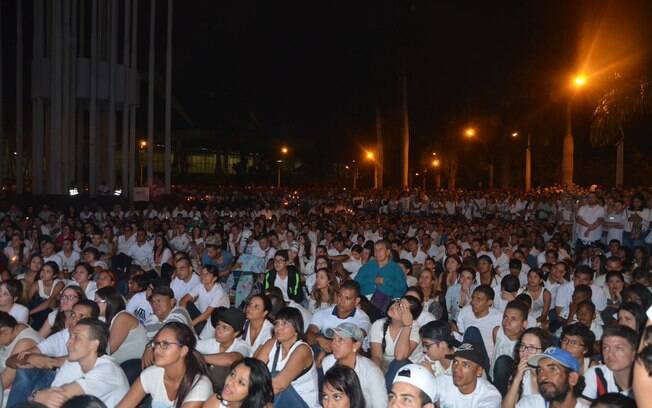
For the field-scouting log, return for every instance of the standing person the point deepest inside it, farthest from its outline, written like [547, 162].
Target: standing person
[589, 221]
[291, 363]
[637, 222]
[341, 389]
[381, 279]
[347, 349]
[248, 385]
[178, 378]
[559, 381]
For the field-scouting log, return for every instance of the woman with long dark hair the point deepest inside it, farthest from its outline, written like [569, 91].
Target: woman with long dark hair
[44, 293]
[324, 292]
[57, 319]
[248, 385]
[127, 337]
[341, 389]
[524, 379]
[178, 377]
[258, 328]
[637, 220]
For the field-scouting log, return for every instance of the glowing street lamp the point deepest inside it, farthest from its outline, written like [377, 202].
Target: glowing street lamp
[369, 155]
[284, 150]
[436, 163]
[515, 134]
[579, 81]
[469, 132]
[142, 144]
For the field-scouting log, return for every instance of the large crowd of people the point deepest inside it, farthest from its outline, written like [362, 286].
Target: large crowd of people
[309, 298]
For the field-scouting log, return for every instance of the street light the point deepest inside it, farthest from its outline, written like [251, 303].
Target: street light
[369, 155]
[469, 132]
[284, 150]
[435, 164]
[578, 82]
[278, 173]
[142, 145]
[528, 162]
[515, 134]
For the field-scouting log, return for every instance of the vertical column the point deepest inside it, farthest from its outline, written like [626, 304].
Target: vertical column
[92, 110]
[405, 180]
[66, 142]
[124, 155]
[168, 104]
[150, 96]
[380, 164]
[54, 137]
[37, 102]
[132, 110]
[19, 96]
[72, 113]
[113, 63]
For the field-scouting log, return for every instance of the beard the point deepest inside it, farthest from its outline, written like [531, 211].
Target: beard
[554, 393]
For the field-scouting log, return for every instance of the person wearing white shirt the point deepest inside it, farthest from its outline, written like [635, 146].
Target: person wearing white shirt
[180, 241]
[126, 240]
[466, 387]
[185, 279]
[141, 251]
[202, 299]
[583, 276]
[69, 257]
[226, 347]
[413, 253]
[50, 256]
[346, 346]
[480, 315]
[589, 220]
[87, 370]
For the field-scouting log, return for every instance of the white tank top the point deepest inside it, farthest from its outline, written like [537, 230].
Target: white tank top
[504, 347]
[306, 385]
[41, 289]
[7, 351]
[264, 335]
[133, 346]
[537, 304]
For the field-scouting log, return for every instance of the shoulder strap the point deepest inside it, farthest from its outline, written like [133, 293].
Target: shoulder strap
[276, 355]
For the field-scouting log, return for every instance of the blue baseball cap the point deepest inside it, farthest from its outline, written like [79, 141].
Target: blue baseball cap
[563, 357]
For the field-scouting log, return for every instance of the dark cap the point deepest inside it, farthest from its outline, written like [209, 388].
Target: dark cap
[469, 351]
[232, 316]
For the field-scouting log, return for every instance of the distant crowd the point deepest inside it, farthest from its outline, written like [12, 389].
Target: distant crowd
[330, 298]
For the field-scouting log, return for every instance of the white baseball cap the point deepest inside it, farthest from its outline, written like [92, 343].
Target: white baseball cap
[418, 376]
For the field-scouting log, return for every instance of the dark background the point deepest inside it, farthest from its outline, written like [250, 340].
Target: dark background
[311, 74]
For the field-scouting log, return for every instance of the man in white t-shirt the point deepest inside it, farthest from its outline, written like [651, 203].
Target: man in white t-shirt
[345, 311]
[481, 315]
[49, 255]
[589, 221]
[413, 253]
[141, 251]
[87, 369]
[466, 387]
[557, 375]
[184, 280]
[583, 276]
[36, 368]
[180, 241]
[619, 346]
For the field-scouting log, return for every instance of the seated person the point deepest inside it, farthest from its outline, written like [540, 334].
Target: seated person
[178, 373]
[413, 386]
[619, 347]
[347, 349]
[226, 347]
[578, 340]
[345, 310]
[466, 387]
[87, 370]
[247, 385]
[35, 366]
[437, 343]
[14, 338]
[202, 299]
[505, 338]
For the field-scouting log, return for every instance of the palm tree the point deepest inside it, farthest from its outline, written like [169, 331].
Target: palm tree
[625, 100]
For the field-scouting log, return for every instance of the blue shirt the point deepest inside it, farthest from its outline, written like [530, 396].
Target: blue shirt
[226, 255]
[394, 283]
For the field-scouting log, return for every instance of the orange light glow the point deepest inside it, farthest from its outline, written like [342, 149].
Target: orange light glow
[469, 132]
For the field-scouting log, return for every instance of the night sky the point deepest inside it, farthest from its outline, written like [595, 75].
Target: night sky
[311, 74]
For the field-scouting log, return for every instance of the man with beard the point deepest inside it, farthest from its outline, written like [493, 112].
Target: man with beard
[559, 381]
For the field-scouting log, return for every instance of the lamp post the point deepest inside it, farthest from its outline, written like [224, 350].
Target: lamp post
[435, 164]
[578, 82]
[369, 155]
[142, 145]
[471, 133]
[528, 161]
[284, 152]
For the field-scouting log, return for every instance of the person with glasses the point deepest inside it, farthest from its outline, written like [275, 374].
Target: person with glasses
[35, 368]
[437, 342]
[578, 340]
[177, 378]
[524, 380]
[347, 348]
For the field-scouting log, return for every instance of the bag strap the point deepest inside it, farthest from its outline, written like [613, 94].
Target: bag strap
[601, 382]
[276, 354]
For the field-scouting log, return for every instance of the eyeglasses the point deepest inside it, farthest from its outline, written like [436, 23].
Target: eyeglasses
[426, 345]
[573, 343]
[162, 344]
[529, 349]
